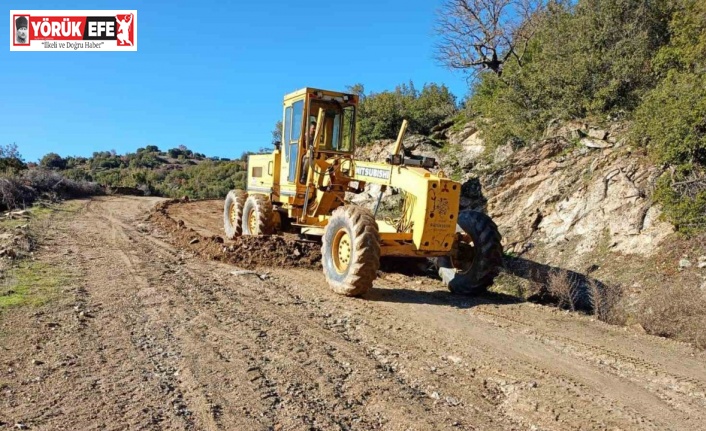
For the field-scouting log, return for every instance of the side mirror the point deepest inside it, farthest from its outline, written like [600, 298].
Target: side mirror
[278, 145]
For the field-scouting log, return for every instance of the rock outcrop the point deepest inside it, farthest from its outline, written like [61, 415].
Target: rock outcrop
[576, 200]
[578, 190]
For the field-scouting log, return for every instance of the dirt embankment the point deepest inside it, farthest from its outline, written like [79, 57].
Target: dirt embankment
[144, 334]
[247, 251]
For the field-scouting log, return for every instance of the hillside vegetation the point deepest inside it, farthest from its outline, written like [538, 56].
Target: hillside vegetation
[172, 173]
[604, 61]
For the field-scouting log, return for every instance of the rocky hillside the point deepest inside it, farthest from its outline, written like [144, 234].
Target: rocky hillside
[577, 201]
[571, 190]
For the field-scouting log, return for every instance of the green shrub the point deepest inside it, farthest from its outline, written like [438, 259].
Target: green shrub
[686, 50]
[671, 121]
[586, 60]
[380, 115]
[52, 161]
[683, 202]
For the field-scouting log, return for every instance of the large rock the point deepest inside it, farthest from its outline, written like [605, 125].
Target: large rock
[570, 130]
[595, 143]
[417, 145]
[574, 204]
[457, 138]
[597, 134]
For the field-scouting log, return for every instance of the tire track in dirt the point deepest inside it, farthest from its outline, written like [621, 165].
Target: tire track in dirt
[177, 342]
[683, 392]
[632, 388]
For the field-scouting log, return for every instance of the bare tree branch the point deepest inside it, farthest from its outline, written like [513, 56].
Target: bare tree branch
[485, 34]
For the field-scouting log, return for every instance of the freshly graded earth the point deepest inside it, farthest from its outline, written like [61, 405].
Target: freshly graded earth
[157, 324]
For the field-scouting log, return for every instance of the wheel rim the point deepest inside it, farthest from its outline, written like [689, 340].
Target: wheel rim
[342, 251]
[462, 260]
[232, 215]
[252, 222]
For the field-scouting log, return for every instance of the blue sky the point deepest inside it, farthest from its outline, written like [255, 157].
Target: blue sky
[208, 74]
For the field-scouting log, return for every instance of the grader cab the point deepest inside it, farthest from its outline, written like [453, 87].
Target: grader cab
[301, 188]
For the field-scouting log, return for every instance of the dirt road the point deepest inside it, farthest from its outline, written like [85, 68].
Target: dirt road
[149, 336]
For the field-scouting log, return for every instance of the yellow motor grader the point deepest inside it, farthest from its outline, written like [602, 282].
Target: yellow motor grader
[301, 187]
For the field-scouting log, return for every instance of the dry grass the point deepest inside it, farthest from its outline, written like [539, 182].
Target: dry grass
[14, 193]
[676, 312]
[605, 300]
[564, 288]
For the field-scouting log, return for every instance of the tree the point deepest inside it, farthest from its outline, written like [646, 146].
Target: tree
[10, 158]
[485, 34]
[10, 151]
[52, 161]
[357, 89]
[277, 132]
[175, 152]
[380, 114]
[431, 106]
[243, 156]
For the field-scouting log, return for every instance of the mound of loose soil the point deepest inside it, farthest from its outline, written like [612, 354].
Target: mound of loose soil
[247, 251]
[17, 242]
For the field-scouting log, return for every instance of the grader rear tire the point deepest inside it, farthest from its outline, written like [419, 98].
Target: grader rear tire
[479, 264]
[351, 250]
[257, 218]
[233, 213]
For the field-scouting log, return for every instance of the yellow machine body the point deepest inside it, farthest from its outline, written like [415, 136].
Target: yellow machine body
[308, 180]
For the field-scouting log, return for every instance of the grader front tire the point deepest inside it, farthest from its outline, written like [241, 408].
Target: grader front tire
[233, 213]
[351, 250]
[257, 217]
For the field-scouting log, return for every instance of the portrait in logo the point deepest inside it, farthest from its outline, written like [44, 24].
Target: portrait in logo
[22, 30]
[125, 33]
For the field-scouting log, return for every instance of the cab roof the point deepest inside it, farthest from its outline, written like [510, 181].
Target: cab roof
[299, 93]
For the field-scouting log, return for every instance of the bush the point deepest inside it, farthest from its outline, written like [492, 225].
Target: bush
[52, 161]
[55, 185]
[11, 159]
[672, 120]
[605, 302]
[566, 289]
[21, 190]
[14, 193]
[208, 179]
[683, 200]
[380, 115]
[174, 152]
[686, 50]
[11, 164]
[587, 60]
[677, 312]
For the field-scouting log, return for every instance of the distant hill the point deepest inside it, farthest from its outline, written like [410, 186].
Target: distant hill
[172, 173]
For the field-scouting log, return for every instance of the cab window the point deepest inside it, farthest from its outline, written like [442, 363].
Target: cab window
[298, 112]
[287, 129]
